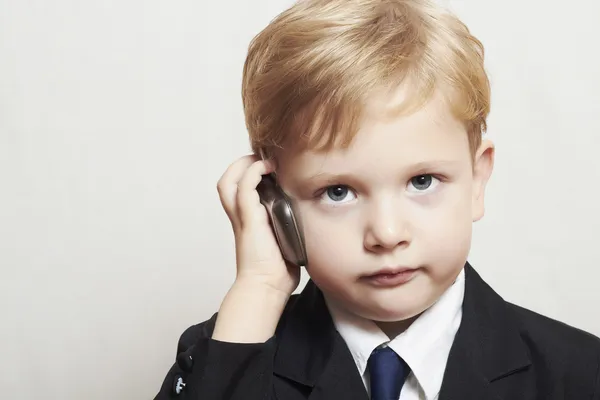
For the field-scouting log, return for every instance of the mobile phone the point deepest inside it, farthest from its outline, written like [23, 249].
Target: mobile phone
[284, 220]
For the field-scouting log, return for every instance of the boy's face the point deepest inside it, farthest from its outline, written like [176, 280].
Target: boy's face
[402, 196]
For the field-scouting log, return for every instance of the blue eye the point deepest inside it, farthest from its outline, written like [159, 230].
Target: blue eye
[422, 183]
[337, 194]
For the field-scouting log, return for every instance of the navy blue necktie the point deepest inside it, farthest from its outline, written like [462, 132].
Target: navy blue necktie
[387, 374]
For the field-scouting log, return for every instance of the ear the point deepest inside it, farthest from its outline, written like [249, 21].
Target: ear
[483, 164]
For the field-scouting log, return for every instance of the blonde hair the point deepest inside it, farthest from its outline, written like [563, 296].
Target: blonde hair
[309, 74]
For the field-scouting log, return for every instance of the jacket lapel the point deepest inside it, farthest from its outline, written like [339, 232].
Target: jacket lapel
[488, 348]
[340, 380]
[311, 353]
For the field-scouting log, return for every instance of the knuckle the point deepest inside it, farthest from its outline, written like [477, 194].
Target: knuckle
[222, 185]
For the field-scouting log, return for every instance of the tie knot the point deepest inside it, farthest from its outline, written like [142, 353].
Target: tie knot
[387, 374]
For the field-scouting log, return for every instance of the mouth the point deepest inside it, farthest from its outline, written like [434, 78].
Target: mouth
[390, 276]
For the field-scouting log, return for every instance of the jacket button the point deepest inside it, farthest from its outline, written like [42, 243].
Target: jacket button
[178, 385]
[185, 360]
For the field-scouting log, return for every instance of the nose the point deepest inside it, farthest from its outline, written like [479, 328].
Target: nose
[387, 227]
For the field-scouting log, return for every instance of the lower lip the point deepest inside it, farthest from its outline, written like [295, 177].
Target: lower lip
[390, 280]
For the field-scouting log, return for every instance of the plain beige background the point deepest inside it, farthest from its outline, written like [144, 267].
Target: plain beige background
[118, 117]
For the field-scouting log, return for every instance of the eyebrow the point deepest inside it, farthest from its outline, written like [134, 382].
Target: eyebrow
[418, 166]
[434, 164]
[327, 178]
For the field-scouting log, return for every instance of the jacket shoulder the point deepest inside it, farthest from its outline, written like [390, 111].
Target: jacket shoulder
[553, 332]
[559, 345]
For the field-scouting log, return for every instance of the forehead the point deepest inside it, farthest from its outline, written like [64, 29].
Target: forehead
[387, 143]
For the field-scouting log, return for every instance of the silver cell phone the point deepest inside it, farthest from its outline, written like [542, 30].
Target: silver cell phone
[284, 220]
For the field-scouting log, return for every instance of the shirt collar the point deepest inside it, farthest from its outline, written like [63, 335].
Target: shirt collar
[424, 346]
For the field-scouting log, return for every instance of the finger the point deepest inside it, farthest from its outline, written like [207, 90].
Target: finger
[228, 185]
[247, 196]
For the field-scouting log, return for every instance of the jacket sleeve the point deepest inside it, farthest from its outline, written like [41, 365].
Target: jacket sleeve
[597, 383]
[207, 369]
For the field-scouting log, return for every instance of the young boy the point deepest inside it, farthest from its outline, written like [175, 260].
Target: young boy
[371, 113]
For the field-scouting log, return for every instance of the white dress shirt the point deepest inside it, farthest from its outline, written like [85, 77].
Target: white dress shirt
[424, 346]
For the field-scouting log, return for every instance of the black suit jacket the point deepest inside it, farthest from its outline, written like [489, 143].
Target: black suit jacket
[501, 352]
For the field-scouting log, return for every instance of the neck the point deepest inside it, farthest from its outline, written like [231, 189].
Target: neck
[394, 328]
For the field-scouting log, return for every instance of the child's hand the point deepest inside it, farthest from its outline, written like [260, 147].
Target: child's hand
[258, 256]
[264, 282]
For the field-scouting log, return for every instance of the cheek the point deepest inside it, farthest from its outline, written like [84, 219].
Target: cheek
[448, 228]
[331, 244]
